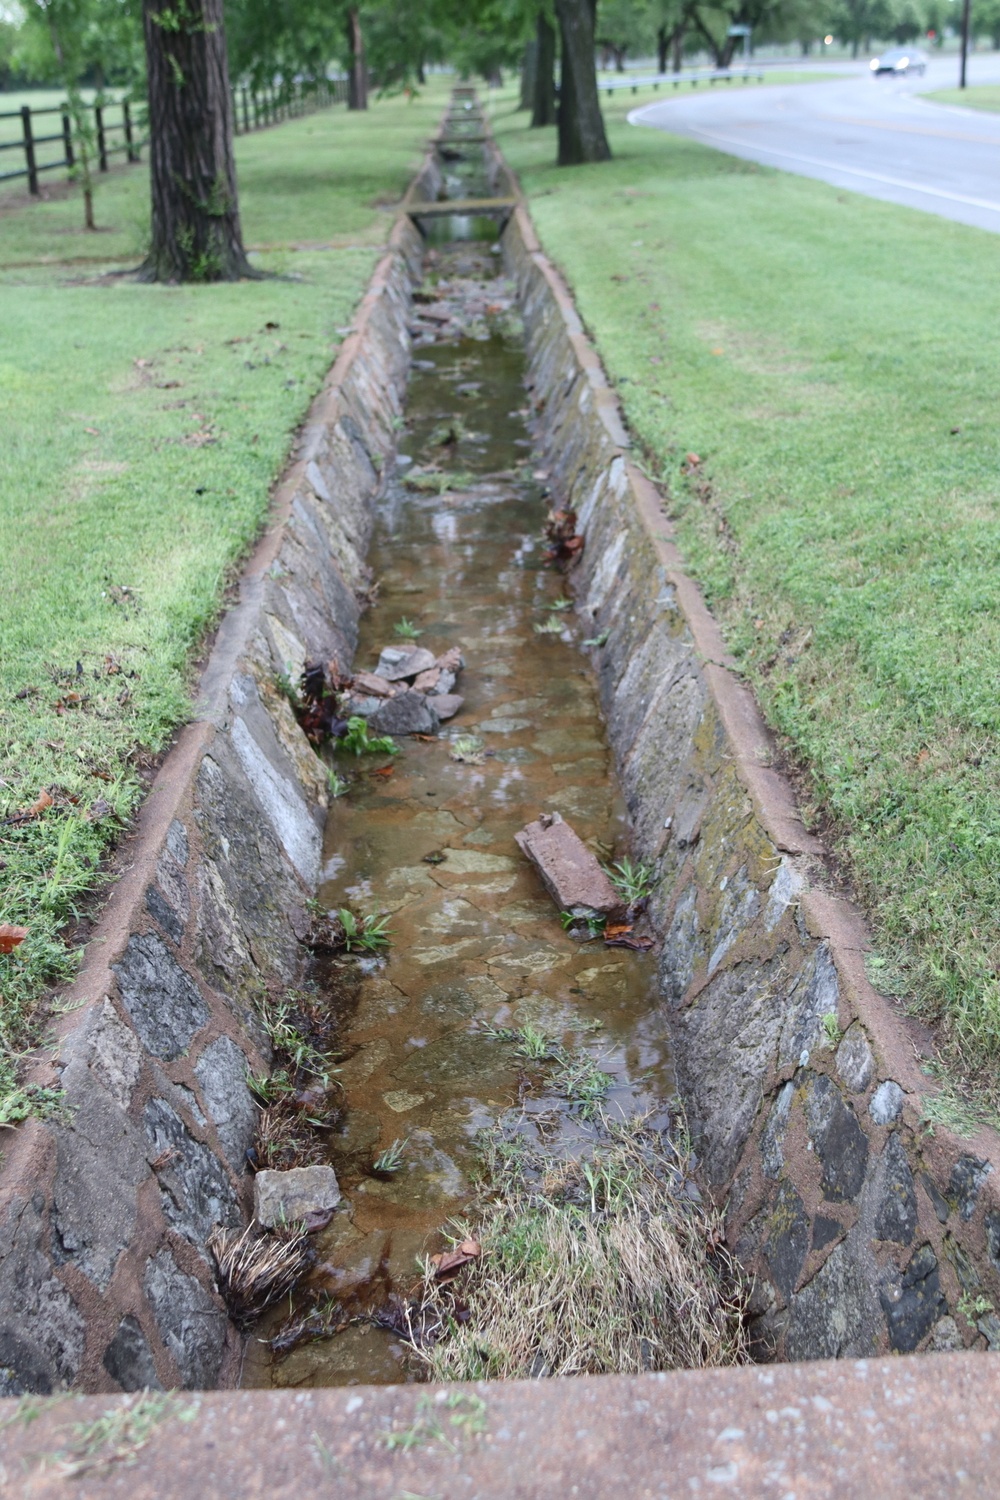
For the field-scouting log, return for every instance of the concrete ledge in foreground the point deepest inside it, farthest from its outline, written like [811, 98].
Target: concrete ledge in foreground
[889, 1428]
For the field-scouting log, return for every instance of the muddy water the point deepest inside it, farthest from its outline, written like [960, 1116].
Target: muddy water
[476, 943]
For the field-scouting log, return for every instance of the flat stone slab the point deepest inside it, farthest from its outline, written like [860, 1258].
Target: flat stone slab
[571, 874]
[298, 1196]
[397, 662]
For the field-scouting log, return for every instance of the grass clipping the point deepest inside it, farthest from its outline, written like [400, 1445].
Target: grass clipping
[605, 1265]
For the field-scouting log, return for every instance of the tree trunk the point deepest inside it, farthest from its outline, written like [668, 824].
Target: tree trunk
[581, 124]
[543, 106]
[679, 48]
[662, 47]
[529, 71]
[195, 228]
[357, 76]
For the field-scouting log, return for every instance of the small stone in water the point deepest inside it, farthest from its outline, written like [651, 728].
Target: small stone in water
[299, 1195]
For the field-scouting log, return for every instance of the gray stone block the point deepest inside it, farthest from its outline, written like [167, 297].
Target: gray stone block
[129, 1361]
[680, 948]
[161, 911]
[282, 803]
[728, 1038]
[165, 1005]
[293, 1197]
[967, 1177]
[855, 1062]
[839, 1142]
[100, 1161]
[191, 1321]
[196, 1189]
[815, 994]
[787, 1243]
[409, 713]
[835, 1315]
[42, 1330]
[772, 1139]
[886, 1104]
[913, 1303]
[221, 1071]
[896, 1213]
[114, 1055]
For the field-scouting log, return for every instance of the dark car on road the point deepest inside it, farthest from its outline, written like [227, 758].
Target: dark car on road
[900, 60]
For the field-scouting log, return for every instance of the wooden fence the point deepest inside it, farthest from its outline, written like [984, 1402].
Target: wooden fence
[44, 137]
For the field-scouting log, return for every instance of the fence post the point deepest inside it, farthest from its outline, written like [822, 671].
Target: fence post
[130, 152]
[246, 113]
[102, 148]
[29, 149]
[67, 130]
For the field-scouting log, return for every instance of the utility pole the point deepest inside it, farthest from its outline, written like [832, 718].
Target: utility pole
[965, 42]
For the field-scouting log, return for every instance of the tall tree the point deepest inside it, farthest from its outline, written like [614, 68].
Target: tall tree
[357, 66]
[195, 227]
[581, 125]
[543, 103]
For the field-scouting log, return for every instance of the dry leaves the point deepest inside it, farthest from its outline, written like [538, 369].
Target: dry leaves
[448, 1263]
[11, 937]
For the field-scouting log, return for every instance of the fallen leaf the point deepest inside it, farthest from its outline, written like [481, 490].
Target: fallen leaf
[11, 937]
[449, 1262]
[638, 944]
[94, 431]
[37, 808]
[616, 930]
[385, 771]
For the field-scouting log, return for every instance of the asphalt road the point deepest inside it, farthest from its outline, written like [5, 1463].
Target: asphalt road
[871, 135]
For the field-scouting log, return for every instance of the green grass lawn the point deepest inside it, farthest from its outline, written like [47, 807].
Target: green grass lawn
[142, 430]
[830, 360]
[980, 96]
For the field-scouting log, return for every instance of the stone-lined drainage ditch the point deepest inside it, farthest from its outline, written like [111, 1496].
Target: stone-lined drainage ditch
[866, 1228]
[478, 952]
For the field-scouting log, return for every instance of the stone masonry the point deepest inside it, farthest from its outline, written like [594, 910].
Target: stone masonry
[105, 1209]
[867, 1229]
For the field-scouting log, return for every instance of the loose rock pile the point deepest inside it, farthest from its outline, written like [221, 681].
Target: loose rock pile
[410, 691]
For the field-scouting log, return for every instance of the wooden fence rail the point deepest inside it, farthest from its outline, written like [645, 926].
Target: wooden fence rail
[35, 131]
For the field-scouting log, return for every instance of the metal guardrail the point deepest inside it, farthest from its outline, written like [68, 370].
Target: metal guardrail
[694, 76]
[252, 110]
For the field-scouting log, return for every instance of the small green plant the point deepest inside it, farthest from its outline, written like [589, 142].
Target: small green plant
[287, 687]
[552, 626]
[632, 881]
[533, 1043]
[831, 1029]
[406, 630]
[359, 741]
[467, 750]
[391, 1159]
[336, 784]
[367, 936]
[598, 640]
[972, 1308]
[560, 604]
[582, 1082]
[595, 924]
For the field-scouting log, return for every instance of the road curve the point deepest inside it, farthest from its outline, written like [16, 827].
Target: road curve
[873, 136]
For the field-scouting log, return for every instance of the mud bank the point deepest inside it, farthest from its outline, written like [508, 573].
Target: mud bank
[867, 1229]
[105, 1208]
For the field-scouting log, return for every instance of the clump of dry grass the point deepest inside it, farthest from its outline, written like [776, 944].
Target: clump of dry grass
[603, 1265]
[257, 1269]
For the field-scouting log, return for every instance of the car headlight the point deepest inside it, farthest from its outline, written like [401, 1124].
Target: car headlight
[873, 64]
[902, 65]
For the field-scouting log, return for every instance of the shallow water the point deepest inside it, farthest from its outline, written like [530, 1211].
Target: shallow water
[476, 942]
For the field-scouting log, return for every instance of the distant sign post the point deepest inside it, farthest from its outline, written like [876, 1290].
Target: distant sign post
[744, 32]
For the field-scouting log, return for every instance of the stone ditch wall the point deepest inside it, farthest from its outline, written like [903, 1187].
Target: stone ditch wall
[105, 1209]
[866, 1230]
